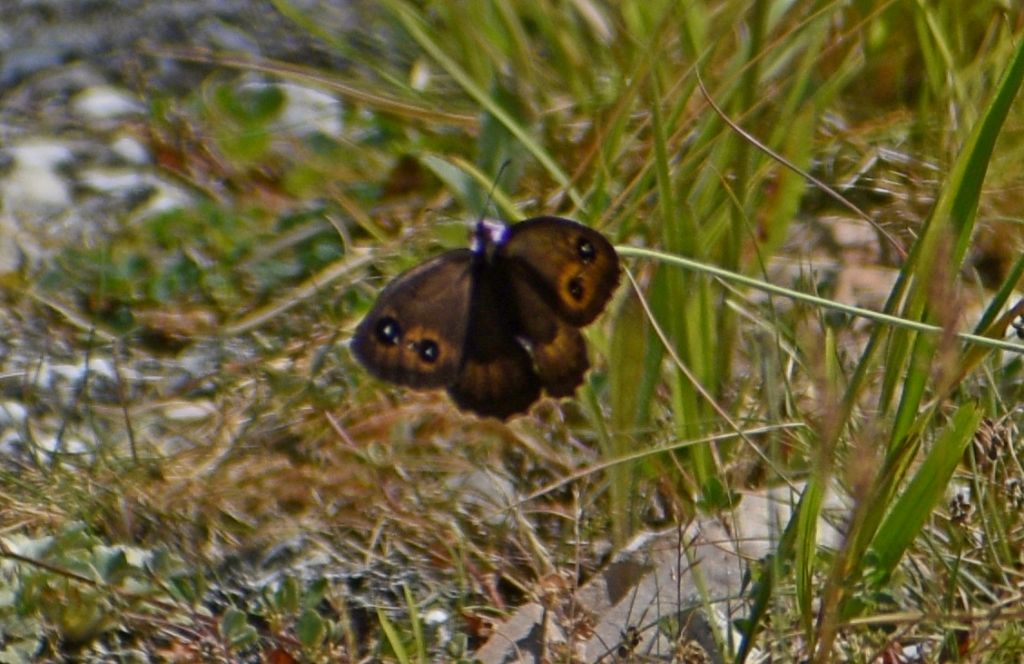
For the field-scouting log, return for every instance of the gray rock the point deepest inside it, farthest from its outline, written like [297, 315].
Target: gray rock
[666, 594]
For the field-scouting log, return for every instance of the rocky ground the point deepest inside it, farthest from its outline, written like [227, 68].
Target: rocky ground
[75, 79]
[77, 83]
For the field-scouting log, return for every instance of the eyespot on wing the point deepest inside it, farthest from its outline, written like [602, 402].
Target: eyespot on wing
[414, 334]
[572, 267]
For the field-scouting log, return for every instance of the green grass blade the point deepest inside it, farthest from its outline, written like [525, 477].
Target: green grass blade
[417, 624]
[806, 548]
[959, 199]
[419, 32]
[393, 638]
[953, 216]
[799, 296]
[913, 508]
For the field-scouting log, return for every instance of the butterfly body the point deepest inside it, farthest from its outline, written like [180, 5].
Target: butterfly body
[498, 324]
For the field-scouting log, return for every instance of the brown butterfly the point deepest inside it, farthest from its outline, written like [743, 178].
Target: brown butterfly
[498, 323]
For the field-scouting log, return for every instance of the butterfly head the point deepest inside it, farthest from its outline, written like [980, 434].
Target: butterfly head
[487, 235]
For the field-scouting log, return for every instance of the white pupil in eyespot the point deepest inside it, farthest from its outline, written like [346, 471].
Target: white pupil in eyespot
[586, 250]
[388, 331]
[428, 351]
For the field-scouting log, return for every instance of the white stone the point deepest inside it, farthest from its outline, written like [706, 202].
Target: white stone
[33, 188]
[75, 372]
[130, 149]
[101, 102]
[111, 180]
[189, 412]
[435, 616]
[12, 413]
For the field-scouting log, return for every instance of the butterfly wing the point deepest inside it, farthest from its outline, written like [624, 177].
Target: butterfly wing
[497, 377]
[415, 333]
[561, 274]
[572, 267]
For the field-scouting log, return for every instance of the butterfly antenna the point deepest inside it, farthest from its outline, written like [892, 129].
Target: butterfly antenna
[494, 187]
[486, 233]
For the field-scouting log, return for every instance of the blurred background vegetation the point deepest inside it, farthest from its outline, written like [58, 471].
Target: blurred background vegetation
[222, 481]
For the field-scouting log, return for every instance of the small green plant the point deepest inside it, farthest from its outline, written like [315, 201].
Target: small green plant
[65, 591]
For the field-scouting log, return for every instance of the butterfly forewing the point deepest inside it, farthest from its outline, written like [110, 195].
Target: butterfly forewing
[573, 267]
[415, 333]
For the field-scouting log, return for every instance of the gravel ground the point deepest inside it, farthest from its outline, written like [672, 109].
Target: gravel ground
[74, 75]
[43, 35]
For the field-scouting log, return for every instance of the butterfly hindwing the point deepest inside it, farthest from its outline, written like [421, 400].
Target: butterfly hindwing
[559, 350]
[497, 377]
[415, 333]
[562, 361]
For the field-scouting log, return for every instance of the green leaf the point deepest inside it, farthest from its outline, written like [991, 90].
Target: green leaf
[189, 588]
[286, 597]
[314, 593]
[112, 564]
[236, 630]
[311, 629]
[805, 545]
[251, 104]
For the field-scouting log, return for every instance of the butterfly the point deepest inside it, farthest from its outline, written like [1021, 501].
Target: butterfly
[498, 323]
